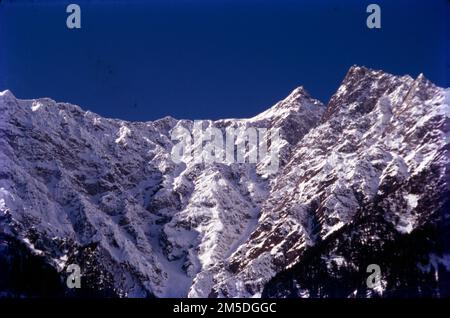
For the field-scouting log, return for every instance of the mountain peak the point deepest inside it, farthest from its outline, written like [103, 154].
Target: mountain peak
[361, 88]
[299, 99]
[7, 94]
[357, 73]
[299, 92]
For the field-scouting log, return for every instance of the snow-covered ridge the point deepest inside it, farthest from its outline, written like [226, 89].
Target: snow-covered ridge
[76, 178]
[106, 195]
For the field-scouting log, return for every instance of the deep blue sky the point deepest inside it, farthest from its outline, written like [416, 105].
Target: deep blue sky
[142, 60]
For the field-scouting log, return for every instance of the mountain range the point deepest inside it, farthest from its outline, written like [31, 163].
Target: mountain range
[362, 180]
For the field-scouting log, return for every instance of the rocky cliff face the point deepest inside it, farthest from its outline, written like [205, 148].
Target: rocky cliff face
[361, 181]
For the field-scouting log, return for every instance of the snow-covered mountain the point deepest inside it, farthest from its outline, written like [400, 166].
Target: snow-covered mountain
[363, 180]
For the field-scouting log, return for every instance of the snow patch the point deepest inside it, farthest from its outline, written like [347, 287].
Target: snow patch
[32, 248]
[36, 106]
[123, 133]
[412, 200]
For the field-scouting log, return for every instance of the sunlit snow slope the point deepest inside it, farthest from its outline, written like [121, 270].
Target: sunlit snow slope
[362, 180]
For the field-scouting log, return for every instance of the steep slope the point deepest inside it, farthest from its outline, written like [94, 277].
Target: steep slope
[401, 220]
[361, 181]
[371, 177]
[106, 195]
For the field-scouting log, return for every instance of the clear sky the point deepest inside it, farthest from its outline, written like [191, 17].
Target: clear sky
[142, 60]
